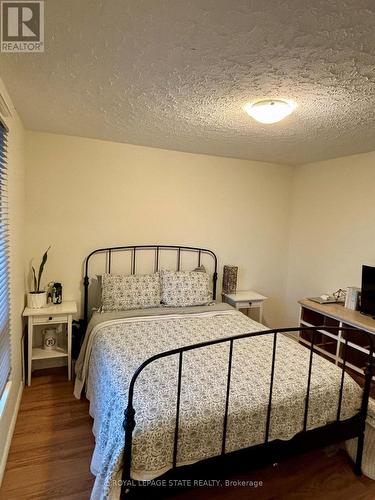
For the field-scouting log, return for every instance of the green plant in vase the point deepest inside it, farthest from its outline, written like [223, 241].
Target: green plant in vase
[38, 297]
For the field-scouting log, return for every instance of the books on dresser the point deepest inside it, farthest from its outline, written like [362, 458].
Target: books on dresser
[352, 295]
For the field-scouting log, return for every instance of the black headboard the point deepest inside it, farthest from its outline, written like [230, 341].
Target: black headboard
[133, 250]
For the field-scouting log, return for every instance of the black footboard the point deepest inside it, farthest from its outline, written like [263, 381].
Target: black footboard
[270, 451]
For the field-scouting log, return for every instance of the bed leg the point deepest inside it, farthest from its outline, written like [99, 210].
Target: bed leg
[129, 424]
[358, 460]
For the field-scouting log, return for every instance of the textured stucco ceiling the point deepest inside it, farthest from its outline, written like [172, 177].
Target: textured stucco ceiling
[175, 74]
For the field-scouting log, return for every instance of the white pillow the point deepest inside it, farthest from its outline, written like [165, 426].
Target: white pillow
[184, 288]
[121, 292]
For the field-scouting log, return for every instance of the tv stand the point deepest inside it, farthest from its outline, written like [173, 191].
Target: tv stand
[329, 342]
[366, 314]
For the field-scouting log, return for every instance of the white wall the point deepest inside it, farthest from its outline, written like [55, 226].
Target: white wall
[84, 193]
[332, 226]
[16, 195]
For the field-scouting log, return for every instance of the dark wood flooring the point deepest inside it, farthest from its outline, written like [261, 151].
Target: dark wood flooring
[52, 446]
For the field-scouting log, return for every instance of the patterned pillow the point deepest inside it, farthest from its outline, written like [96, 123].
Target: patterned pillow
[121, 292]
[184, 288]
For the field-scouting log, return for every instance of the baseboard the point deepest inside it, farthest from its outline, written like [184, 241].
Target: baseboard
[4, 458]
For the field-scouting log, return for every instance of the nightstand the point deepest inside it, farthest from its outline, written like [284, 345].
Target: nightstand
[246, 300]
[50, 315]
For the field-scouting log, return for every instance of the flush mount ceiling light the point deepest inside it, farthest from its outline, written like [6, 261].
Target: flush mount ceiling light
[269, 110]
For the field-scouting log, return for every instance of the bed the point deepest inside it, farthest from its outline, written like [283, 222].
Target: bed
[172, 388]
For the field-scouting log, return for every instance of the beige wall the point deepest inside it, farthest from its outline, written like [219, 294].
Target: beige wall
[83, 194]
[16, 194]
[332, 226]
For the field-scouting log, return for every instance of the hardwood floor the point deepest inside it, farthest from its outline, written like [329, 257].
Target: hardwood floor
[52, 445]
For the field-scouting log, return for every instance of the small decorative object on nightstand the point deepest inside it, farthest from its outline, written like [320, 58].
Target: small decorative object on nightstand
[230, 279]
[50, 315]
[49, 336]
[246, 300]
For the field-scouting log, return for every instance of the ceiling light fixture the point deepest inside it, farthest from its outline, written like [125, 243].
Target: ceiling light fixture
[269, 110]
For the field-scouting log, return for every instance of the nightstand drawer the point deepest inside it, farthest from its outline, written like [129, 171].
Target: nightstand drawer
[244, 304]
[43, 320]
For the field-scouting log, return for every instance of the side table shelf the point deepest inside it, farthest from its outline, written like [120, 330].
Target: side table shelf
[51, 315]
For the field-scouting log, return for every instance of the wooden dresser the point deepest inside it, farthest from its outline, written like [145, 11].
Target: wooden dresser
[330, 343]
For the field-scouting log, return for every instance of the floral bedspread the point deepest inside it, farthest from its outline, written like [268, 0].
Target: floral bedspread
[117, 348]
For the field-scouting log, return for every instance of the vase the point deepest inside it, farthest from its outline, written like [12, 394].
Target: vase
[36, 300]
[49, 339]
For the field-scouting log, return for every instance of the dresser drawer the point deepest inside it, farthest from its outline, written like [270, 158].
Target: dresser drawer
[44, 320]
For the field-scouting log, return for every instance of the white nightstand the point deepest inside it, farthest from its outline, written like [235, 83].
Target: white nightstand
[246, 300]
[52, 314]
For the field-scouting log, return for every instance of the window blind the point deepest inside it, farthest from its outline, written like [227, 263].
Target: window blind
[4, 265]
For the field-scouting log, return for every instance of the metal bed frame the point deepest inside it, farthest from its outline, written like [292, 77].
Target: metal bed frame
[268, 451]
[136, 249]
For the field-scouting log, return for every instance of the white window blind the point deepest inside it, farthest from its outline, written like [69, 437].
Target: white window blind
[4, 265]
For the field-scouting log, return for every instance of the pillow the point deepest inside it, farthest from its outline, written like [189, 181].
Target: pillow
[184, 288]
[200, 269]
[121, 292]
[95, 293]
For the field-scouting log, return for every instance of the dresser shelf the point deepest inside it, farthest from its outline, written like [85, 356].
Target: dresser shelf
[330, 343]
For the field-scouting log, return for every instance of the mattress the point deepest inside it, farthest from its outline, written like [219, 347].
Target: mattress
[117, 343]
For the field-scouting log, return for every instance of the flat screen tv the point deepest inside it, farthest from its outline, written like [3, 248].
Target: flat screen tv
[368, 290]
